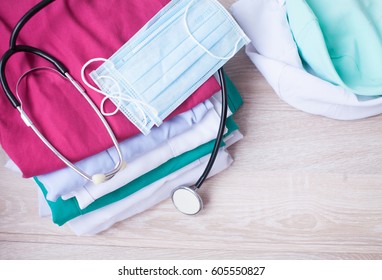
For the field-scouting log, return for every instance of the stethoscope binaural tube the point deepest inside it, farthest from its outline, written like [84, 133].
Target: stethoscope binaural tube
[13, 49]
[27, 49]
[186, 198]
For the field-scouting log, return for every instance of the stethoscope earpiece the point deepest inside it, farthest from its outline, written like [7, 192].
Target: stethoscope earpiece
[187, 200]
[98, 179]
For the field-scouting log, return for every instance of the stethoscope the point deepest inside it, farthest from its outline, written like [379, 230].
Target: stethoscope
[185, 198]
[13, 49]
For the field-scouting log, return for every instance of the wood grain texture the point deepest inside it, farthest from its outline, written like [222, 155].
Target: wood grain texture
[301, 187]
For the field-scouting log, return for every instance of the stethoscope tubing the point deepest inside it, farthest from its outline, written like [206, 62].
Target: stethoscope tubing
[63, 70]
[28, 49]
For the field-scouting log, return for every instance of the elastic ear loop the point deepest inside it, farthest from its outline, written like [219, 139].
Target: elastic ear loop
[137, 103]
[200, 45]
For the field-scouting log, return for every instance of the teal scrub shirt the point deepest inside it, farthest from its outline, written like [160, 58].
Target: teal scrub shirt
[340, 41]
[65, 210]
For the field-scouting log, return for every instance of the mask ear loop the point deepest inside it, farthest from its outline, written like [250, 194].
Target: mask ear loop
[137, 103]
[200, 45]
[85, 81]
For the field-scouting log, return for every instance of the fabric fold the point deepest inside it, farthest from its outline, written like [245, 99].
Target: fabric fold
[62, 115]
[275, 54]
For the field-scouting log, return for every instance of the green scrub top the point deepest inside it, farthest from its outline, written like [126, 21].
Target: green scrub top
[65, 210]
[340, 41]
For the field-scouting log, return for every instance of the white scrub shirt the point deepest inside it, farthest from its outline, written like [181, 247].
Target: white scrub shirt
[102, 219]
[274, 52]
[201, 133]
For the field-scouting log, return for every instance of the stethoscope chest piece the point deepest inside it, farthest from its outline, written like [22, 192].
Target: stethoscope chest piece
[187, 200]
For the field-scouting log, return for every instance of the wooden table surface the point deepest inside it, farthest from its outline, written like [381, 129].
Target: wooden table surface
[301, 187]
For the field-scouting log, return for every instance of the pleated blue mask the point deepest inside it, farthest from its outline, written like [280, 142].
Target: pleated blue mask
[168, 59]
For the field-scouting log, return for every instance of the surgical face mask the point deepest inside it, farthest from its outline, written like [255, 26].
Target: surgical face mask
[168, 59]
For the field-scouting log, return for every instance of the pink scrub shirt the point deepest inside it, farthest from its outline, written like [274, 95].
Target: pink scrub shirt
[72, 31]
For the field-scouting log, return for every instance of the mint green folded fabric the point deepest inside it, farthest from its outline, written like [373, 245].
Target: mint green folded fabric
[65, 210]
[340, 41]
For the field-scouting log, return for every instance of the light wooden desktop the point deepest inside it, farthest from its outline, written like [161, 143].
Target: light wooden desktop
[301, 187]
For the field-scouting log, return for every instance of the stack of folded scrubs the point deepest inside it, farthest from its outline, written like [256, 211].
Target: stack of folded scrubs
[171, 155]
[320, 56]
